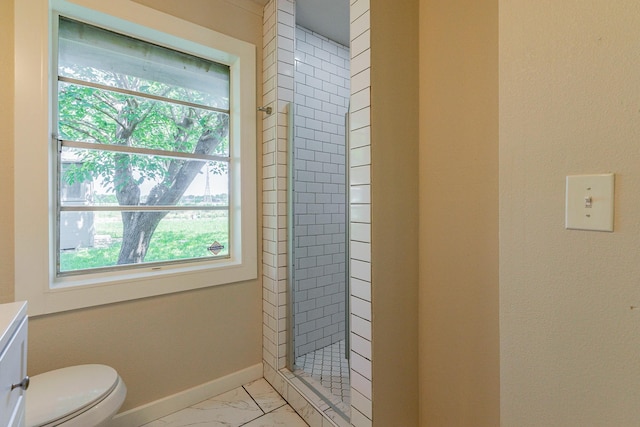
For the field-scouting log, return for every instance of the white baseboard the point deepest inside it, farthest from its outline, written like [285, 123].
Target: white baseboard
[152, 411]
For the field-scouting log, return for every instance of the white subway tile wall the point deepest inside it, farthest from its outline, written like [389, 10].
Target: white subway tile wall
[286, 64]
[321, 102]
[270, 242]
[278, 40]
[360, 225]
[278, 70]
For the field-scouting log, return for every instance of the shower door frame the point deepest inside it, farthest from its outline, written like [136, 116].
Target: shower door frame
[291, 265]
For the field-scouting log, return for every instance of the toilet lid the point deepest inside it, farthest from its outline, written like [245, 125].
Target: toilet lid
[61, 393]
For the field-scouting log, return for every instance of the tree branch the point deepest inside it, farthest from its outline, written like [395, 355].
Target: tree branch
[106, 113]
[170, 190]
[83, 131]
[104, 98]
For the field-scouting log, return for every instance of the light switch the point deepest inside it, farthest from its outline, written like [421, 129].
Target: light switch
[589, 202]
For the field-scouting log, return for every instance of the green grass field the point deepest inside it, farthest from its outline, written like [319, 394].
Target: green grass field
[178, 236]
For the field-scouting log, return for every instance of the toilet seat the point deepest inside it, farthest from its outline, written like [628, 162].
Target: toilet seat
[84, 395]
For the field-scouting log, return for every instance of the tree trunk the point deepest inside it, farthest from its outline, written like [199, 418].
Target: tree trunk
[138, 227]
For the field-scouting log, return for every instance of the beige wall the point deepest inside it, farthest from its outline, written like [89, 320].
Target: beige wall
[394, 211]
[6, 146]
[160, 345]
[241, 19]
[569, 104]
[459, 340]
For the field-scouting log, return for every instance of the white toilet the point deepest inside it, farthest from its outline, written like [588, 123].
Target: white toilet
[77, 396]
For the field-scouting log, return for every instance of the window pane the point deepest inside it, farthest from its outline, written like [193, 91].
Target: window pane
[94, 115]
[92, 240]
[99, 178]
[95, 55]
[127, 111]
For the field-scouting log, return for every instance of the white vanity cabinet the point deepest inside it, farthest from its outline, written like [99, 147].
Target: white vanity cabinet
[13, 363]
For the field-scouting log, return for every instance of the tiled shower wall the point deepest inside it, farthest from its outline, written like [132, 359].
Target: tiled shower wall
[278, 90]
[278, 66]
[321, 102]
[360, 206]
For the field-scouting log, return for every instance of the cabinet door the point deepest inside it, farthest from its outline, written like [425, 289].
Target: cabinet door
[13, 369]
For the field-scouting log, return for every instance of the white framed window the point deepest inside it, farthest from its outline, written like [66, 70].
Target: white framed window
[135, 155]
[143, 153]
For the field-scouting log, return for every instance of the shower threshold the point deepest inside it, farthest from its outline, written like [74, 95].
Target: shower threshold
[326, 371]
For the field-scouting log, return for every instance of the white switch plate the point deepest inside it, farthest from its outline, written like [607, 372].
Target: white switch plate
[596, 191]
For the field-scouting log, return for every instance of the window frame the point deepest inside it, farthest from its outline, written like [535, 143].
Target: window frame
[35, 222]
[134, 150]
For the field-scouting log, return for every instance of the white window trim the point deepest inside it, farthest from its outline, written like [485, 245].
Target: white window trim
[35, 279]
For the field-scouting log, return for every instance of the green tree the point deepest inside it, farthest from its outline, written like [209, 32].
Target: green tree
[106, 117]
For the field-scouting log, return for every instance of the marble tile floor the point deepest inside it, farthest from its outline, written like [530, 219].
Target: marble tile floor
[255, 404]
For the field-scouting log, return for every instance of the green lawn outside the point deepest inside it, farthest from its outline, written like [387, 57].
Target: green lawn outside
[176, 238]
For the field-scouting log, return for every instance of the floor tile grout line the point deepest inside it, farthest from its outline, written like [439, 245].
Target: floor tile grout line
[264, 414]
[284, 399]
[250, 421]
[255, 401]
[264, 411]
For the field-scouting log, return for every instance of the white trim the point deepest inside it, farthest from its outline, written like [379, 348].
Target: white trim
[170, 404]
[34, 265]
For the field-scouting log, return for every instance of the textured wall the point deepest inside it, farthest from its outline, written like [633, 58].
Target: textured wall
[569, 104]
[394, 211]
[459, 337]
[321, 101]
[6, 144]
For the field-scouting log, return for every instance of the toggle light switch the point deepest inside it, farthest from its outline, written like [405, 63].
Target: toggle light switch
[589, 202]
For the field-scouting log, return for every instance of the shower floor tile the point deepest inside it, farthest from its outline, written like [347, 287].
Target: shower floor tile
[328, 367]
